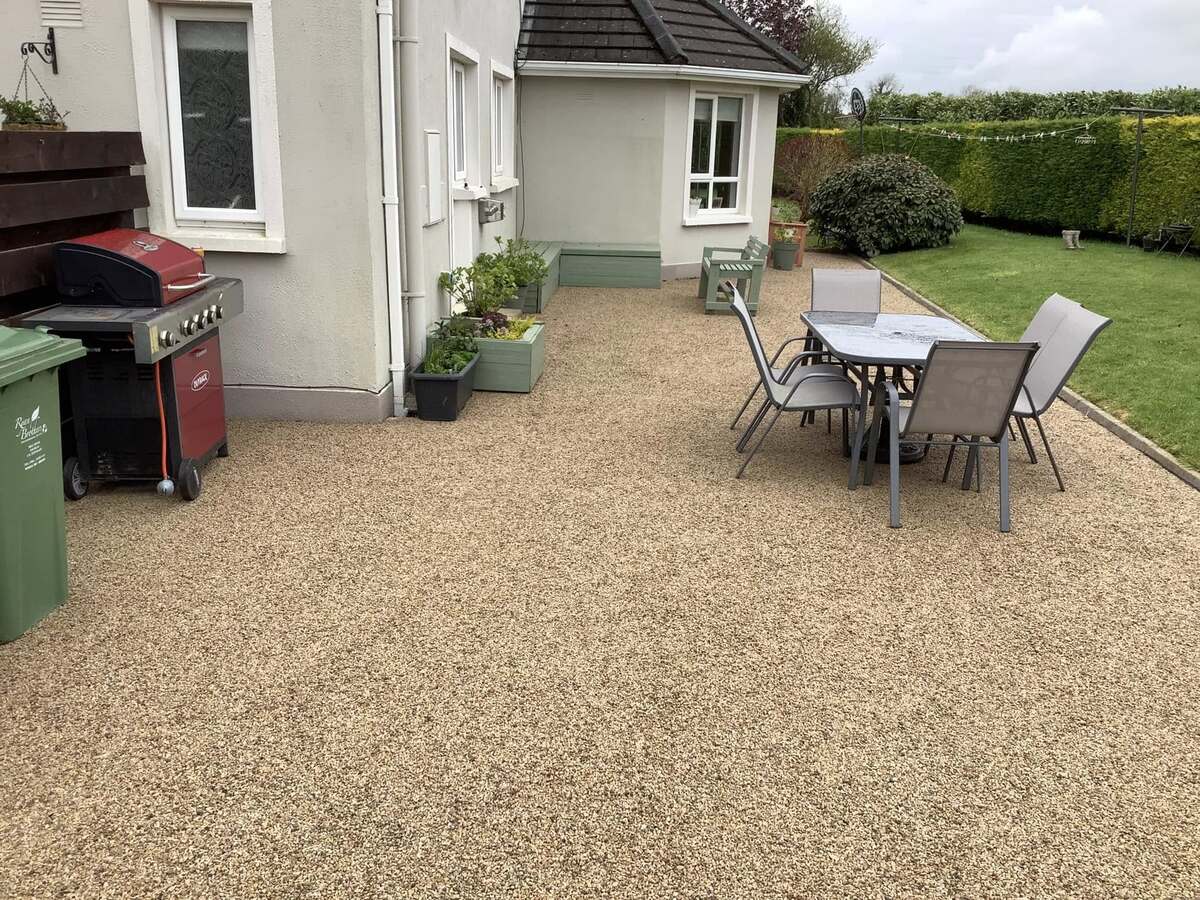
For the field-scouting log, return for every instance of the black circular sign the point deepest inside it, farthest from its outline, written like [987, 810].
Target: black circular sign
[858, 104]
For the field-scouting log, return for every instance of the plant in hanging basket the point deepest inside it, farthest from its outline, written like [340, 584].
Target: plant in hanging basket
[31, 115]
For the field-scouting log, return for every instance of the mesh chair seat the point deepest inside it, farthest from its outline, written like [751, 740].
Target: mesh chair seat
[801, 371]
[815, 392]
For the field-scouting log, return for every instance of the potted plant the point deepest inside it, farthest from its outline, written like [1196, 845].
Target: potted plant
[788, 216]
[444, 381]
[30, 115]
[784, 249]
[482, 287]
[527, 268]
[512, 351]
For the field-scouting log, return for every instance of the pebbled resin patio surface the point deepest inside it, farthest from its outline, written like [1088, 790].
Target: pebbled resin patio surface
[555, 649]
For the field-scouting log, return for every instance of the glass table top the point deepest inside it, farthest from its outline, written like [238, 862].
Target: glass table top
[885, 339]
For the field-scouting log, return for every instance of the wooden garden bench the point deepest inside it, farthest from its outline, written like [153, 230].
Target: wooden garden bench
[746, 269]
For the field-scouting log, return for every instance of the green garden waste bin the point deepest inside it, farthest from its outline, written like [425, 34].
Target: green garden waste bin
[33, 551]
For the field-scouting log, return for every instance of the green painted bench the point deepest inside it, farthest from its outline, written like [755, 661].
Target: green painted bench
[592, 265]
[719, 265]
[611, 265]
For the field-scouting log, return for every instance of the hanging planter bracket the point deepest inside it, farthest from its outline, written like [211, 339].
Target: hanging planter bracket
[46, 51]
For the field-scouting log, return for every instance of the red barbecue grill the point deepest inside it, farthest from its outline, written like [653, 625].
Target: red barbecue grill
[147, 403]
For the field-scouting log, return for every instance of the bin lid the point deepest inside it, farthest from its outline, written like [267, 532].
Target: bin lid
[25, 352]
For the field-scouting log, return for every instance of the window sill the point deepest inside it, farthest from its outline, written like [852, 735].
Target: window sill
[477, 192]
[502, 183]
[217, 241]
[728, 219]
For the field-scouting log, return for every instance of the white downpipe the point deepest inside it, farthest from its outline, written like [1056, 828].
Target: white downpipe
[391, 203]
[412, 154]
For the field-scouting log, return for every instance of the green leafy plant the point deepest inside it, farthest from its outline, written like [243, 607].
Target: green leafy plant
[524, 263]
[30, 112]
[452, 348]
[884, 203]
[515, 329]
[481, 287]
[785, 235]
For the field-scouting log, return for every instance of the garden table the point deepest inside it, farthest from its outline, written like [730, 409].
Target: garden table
[881, 341]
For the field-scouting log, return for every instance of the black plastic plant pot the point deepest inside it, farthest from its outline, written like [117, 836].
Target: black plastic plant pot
[440, 398]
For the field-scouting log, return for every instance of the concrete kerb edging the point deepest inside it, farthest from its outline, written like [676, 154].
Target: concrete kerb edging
[1137, 441]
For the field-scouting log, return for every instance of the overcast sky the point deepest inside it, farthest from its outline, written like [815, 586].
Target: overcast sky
[1100, 44]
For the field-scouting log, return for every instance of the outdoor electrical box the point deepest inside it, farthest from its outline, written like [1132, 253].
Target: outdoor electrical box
[490, 211]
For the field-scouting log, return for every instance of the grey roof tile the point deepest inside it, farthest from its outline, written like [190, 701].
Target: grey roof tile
[679, 32]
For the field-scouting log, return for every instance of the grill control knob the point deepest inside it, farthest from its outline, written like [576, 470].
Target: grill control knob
[197, 323]
[219, 311]
[164, 338]
[214, 313]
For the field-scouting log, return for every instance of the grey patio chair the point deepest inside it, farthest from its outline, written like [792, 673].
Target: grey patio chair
[847, 290]
[844, 290]
[967, 391]
[797, 392]
[1074, 330]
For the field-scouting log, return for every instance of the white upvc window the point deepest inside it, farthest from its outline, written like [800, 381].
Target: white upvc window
[499, 132]
[205, 76]
[503, 152]
[463, 110]
[458, 121]
[720, 142]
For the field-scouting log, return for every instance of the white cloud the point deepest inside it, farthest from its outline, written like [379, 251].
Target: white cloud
[1090, 45]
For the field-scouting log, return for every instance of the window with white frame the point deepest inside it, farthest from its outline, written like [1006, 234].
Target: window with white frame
[212, 114]
[458, 122]
[716, 172]
[499, 133]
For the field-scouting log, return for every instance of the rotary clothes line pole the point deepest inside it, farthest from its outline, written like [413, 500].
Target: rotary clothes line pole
[1141, 112]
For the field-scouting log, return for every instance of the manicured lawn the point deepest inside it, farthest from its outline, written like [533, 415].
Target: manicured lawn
[1144, 368]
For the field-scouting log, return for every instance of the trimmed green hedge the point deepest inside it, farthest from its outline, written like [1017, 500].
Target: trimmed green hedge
[1009, 106]
[1056, 182]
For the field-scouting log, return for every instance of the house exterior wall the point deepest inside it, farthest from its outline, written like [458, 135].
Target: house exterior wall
[490, 31]
[593, 150]
[314, 339]
[606, 160]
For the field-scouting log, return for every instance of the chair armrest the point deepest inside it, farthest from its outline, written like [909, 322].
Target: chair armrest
[795, 360]
[709, 251]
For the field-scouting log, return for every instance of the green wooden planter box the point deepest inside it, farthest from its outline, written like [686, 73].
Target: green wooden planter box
[512, 366]
[533, 298]
[610, 265]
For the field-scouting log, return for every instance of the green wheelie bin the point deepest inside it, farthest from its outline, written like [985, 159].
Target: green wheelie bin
[33, 550]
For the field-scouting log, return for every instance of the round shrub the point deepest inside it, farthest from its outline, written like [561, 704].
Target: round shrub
[883, 203]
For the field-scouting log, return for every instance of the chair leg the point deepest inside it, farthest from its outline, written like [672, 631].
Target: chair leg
[1028, 443]
[745, 406]
[856, 447]
[873, 441]
[949, 459]
[778, 413]
[972, 459]
[978, 471]
[753, 426]
[845, 432]
[703, 288]
[1004, 514]
[1049, 452]
[894, 470]
[829, 421]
